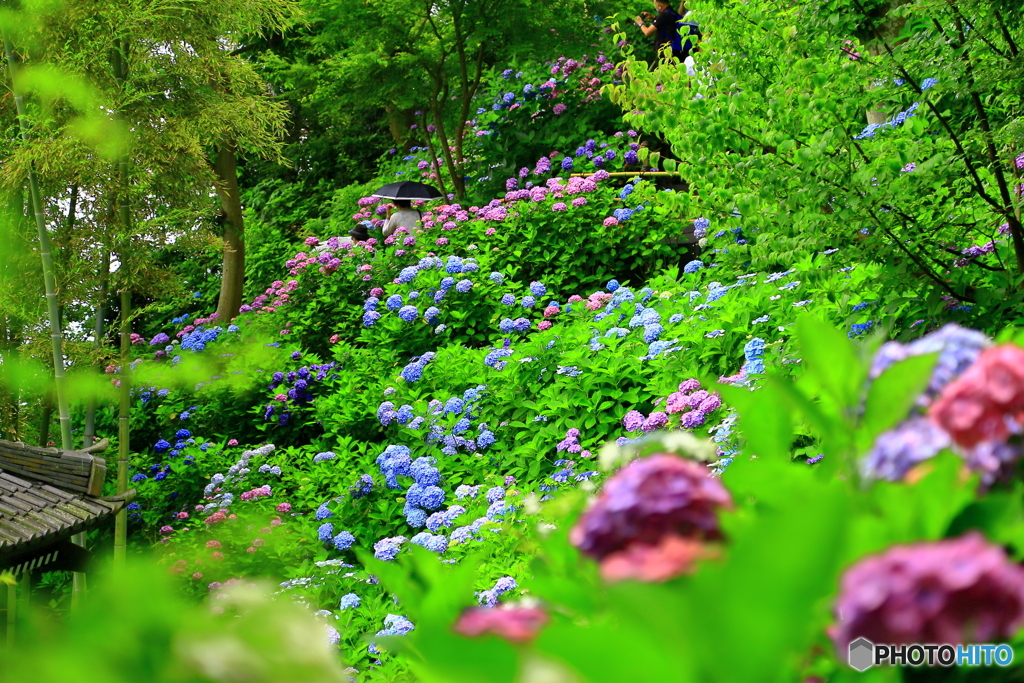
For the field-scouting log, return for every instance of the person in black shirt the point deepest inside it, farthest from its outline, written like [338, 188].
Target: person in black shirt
[664, 27]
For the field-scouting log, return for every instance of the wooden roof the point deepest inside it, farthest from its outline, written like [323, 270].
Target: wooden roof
[46, 496]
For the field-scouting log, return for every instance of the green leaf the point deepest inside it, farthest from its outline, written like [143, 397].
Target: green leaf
[892, 395]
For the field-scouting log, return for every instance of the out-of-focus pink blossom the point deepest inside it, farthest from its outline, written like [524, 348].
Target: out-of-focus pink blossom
[514, 624]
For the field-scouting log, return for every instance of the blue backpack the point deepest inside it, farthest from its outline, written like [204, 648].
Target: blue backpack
[687, 30]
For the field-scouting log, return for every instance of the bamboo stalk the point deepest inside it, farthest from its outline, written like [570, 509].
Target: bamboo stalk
[63, 407]
[123, 431]
[101, 299]
[124, 408]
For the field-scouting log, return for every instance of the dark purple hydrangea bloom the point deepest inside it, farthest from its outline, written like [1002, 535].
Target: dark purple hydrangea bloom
[951, 591]
[649, 499]
[896, 451]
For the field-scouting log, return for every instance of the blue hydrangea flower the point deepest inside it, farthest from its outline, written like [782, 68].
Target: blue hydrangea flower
[407, 275]
[394, 302]
[415, 517]
[521, 325]
[437, 544]
[161, 446]
[485, 439]
[325, 532]
[538, 289]
[323, 512]
[349, 601]
[387, 548]
[505, 326]
[424, 472]
[496, 277]
[528, 302]
[652, 332]
[344, 540]
[508, 300]
[412, 372]
[408, 313]
[463, 286]
[693, 266]
[497, 510]
[405, 414]
[426, 497]
[326, 455]
[452, 266]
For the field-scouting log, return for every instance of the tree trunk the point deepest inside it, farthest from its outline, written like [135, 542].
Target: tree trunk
[63, 407]
[233, 276]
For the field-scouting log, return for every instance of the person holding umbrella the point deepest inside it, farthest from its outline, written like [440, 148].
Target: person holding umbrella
[403, 194]
[403, 216]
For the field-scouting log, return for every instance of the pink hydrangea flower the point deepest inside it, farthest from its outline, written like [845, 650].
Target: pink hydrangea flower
[544, 325]
[650, 500]
[514, 624]
[955, 591]
[216, 517]
[232, 442]
[377, 292]
[284, 508]
[213, 545]
[550, 311]
[611, 221]
[975, 407]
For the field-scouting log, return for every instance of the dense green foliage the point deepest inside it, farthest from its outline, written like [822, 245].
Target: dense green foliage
[397, 430]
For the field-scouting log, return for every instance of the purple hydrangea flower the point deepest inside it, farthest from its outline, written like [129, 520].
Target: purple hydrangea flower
[896, 451]
[649, 499]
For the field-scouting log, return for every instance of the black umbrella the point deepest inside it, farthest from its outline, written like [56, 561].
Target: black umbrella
[407, 189]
